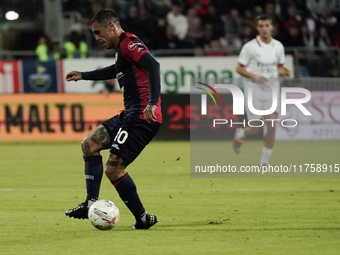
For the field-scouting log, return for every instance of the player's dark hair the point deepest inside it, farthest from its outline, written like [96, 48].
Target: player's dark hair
[103, 17]
[263, 17]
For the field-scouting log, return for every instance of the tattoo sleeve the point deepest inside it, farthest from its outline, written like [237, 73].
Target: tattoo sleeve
[77, 73]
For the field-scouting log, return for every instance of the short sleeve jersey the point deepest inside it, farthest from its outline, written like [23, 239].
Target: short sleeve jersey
[132, 77]
[262, 59]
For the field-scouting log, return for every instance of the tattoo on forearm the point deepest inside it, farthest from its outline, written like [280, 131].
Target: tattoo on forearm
[101, 137]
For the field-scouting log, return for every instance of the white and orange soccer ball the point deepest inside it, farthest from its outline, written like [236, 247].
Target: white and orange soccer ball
[104, 214]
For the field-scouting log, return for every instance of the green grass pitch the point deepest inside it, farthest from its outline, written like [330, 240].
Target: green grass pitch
[39, 181]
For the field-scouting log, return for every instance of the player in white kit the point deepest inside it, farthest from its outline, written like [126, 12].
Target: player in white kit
[261, 63]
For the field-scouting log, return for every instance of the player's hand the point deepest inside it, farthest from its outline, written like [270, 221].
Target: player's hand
[284, 72]
[260, 79]
[149, 113]
[288, 72]
[73, 76]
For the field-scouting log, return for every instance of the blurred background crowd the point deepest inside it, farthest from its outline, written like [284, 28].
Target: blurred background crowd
[309, 29]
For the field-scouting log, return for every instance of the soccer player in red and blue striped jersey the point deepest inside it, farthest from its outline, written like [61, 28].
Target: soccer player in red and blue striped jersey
[126, 134]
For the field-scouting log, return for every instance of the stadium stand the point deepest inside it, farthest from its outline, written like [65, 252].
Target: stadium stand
[309, 29]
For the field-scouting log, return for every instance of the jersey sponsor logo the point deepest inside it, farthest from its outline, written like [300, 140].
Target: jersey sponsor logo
[261, 64]
[132, 46]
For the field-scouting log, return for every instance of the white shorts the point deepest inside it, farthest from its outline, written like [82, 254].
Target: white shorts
[262, 97]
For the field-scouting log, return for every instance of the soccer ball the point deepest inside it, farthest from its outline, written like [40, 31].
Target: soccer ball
[104, 214]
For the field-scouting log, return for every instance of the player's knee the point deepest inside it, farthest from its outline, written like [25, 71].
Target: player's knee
[86, 146]
[114, 167]
[114, 172]
[256, 130]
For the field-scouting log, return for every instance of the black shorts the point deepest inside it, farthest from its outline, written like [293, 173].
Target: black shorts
[129, 136]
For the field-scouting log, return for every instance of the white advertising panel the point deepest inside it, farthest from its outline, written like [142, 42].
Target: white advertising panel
[83, 65]
[323, 124]
[9, 77]
[176, 72]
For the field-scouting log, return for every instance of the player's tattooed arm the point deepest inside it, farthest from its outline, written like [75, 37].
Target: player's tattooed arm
[101, 138]
[73, 76]
[149, 113]
[77, 73]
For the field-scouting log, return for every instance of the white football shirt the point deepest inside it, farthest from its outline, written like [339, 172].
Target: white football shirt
[261, 58]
